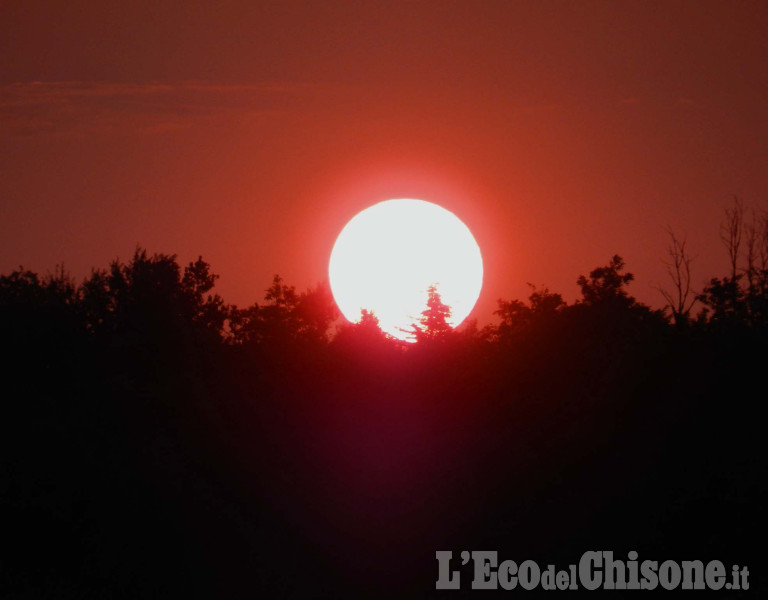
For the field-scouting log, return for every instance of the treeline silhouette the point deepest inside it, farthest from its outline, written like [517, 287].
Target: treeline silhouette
[158, 441]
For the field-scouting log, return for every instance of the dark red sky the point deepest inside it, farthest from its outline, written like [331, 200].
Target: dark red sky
[250, 132]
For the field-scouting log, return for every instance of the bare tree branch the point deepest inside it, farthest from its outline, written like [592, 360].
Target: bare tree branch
[681, 298]
[753, 249]
[731, 232]
[763, 242]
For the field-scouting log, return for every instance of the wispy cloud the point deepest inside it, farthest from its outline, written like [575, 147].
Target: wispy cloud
[90, 107]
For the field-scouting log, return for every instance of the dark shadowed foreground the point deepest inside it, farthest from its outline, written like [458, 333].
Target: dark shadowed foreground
[160, 443]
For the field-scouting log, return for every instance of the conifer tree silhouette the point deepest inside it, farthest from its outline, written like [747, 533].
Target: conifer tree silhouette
[433, 324]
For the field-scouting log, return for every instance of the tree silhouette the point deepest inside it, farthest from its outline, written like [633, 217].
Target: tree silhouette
[739, 300]
[433, 324]
[607, 284]
[207, 310]
[731, 232]
[369, 327]
[152, 297]
[369, 320]
[126, 418]
[724, 303]
[39, 316]
[681, 299]
[316, 311]
[518, 318]
[285, 317]
[365, 339]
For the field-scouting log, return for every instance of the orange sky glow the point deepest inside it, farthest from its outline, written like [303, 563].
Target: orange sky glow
[251, 132]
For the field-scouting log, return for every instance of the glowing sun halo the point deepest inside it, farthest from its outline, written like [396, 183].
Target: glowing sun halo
[388, 255]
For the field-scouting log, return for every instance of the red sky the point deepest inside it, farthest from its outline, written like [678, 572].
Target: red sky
[250, 132]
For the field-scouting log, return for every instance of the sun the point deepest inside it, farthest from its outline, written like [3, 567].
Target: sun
[387, 256]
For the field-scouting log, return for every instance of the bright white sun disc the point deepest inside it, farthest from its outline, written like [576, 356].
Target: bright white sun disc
[387, 256]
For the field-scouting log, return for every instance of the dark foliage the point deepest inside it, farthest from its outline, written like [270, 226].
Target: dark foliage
[160, 443]
[434, 324]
